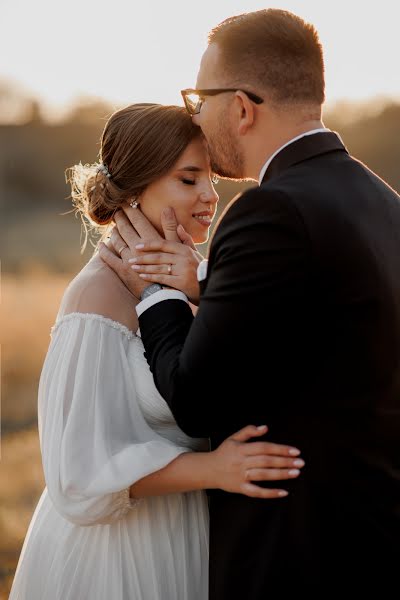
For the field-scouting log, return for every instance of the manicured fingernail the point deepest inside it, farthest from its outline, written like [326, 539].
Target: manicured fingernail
[261, 427]
[143, 275]
[132, 260]
[139, 246]
[282, 493]
[298, 463]
[294, 452]
[293, 472]
[136, 267]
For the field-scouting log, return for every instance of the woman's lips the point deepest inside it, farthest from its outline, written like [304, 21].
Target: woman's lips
[204, 218]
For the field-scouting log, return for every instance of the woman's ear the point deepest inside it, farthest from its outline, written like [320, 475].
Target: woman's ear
[245, 112]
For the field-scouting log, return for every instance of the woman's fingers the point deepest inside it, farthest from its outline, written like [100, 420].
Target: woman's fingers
[161, 245]
[270, 448]
[255, 491]
[249, 432]
[271, 474]
[164, 269]
[154, 259]
[268, 461]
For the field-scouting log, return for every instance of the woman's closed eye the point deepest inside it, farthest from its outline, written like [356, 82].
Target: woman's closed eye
[188, 181]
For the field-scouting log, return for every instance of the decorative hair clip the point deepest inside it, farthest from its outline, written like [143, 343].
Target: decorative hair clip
[102, 168]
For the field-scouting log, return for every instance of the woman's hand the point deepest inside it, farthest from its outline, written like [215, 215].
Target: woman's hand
[170, 263]
[236, 464]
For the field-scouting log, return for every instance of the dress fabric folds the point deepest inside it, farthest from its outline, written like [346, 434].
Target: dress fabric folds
[103, 426]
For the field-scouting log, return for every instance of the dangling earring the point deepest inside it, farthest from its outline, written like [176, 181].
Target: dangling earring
[134, 203]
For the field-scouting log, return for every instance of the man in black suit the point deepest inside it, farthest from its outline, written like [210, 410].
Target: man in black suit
[298, 322]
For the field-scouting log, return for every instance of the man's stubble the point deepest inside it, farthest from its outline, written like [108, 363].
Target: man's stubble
[225, 155]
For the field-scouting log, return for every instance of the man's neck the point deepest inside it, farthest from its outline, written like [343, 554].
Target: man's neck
[269, 144]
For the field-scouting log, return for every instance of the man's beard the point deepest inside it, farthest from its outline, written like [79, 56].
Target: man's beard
[225, 156]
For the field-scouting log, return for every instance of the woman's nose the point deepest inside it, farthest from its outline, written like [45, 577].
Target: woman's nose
[209, 195]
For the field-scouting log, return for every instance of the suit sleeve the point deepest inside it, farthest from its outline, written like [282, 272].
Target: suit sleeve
[258, 261]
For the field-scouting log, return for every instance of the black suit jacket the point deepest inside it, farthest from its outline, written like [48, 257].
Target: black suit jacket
[299, 328]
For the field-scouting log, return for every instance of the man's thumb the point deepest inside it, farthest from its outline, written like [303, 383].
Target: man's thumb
[185, 237]
[169, 224]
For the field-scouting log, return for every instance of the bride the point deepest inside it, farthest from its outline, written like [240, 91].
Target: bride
[124, 513]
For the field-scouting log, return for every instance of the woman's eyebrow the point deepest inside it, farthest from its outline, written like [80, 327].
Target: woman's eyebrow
[190, 168]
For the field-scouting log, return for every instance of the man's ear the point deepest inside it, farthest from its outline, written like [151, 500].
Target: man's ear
[245, 112]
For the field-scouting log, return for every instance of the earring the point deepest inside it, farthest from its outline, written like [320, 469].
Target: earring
[134, 203]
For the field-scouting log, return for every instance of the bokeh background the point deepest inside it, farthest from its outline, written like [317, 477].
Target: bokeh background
[65, 66]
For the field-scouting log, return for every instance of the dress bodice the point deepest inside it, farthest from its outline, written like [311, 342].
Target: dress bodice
[155, 410]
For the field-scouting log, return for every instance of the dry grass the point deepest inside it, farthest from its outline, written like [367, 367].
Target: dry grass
[29, 307]
[21, 483]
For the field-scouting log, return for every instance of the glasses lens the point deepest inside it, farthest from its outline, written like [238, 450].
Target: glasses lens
[193, 103]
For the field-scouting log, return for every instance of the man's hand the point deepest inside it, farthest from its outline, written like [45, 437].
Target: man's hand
[127, 233]
[177, 268]
[171, 264]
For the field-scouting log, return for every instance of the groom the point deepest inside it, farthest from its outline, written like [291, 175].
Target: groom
[298, 324]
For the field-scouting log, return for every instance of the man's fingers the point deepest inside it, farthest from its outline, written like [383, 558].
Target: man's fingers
[117, 241]
[169, 224]
[125, 229]
[109, 244]
[185, 237]
[109, 258]
[142, 225]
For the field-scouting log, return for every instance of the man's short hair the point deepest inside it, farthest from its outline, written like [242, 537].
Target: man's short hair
[274, 51]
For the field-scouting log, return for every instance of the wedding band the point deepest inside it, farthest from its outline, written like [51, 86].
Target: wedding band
[169, 269]
[121, 249]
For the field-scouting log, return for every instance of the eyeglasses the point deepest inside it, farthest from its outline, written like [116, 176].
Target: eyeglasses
[193, 99]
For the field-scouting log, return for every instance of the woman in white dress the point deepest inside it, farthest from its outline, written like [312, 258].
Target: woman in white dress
[124, 513]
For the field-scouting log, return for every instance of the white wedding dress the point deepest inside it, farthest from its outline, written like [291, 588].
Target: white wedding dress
[103, 426]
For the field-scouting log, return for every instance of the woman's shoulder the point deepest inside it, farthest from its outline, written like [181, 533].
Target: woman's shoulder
[96, 289]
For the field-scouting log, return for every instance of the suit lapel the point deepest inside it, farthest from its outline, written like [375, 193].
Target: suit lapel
[303, 149]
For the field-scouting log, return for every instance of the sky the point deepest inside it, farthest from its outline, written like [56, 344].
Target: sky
[129, 51]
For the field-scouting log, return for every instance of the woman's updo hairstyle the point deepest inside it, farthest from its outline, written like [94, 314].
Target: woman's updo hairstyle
[139, 144]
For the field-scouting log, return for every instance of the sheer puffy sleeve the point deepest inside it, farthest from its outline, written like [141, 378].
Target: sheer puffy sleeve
[94, 440]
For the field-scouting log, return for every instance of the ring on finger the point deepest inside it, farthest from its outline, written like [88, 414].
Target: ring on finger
[121, 249]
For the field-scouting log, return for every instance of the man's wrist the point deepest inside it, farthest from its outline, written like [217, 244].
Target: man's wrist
[150, 289]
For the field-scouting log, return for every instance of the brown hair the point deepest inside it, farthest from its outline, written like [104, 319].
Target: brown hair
[274, 50]
[139, 144]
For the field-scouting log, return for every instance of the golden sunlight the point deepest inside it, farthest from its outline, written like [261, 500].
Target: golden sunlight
[131, 51]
